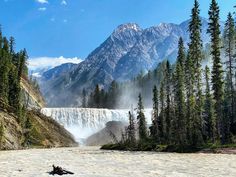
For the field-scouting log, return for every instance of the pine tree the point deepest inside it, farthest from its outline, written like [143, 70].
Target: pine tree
[217, 72]
[5, 46]
[4, 68]
[154, 129]
[195, 53]
[190, 101]
[162, 119]
[14, 88]
[229, 45]
[181, 58]
[180, 123]
[131, 130]
[142, 125]
[11, 45]
[209, 114]
[22, 68]
[195, 45]
[168, 100]
[15, 77]
[227, 111]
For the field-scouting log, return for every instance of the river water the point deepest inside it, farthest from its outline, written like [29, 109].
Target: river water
[93, 162]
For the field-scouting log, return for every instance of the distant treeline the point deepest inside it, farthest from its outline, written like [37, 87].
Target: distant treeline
[119, 94]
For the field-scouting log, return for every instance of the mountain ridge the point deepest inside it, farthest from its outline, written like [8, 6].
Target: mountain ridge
[128, 51]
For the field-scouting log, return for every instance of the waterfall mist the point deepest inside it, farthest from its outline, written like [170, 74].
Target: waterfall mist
[83, 122]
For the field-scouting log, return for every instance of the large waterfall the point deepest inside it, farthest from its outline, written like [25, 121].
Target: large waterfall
[83, 122]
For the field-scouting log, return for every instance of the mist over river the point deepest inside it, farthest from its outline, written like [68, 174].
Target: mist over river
[83, 122]
[93, 162]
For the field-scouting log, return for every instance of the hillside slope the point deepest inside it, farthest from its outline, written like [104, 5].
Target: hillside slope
[44, 132]
[30, 95]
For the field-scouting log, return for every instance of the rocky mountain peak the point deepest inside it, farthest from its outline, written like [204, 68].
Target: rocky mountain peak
[127, 30]
[127, 26]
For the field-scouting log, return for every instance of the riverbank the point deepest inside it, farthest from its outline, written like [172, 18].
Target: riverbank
[91, 162]
[211, 148]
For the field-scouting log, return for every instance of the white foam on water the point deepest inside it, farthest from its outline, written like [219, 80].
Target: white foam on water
[83, 122]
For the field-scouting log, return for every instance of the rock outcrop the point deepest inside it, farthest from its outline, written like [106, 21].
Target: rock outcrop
[112, 133]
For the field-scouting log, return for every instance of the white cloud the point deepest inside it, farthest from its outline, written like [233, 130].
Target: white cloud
[40, 63]
[42, 1]
[42, 9]
[63, 2]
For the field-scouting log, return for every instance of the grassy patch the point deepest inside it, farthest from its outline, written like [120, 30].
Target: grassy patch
[149, 146]
[140, 146]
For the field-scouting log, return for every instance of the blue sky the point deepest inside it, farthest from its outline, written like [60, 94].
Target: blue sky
[73, 28]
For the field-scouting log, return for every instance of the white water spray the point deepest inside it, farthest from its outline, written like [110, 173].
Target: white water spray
[83, 122]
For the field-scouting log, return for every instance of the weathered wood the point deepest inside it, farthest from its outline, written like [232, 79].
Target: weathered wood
[59, 171]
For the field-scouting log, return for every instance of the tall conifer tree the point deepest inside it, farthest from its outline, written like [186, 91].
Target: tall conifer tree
[142, 124]
[180, 122]
[168, 100]
[195, 53]
[155, 118]
[4, 70]
[131, 130]
[209, 118]
[190, 100]
[229, 45]
[162, 116]
[217, 72]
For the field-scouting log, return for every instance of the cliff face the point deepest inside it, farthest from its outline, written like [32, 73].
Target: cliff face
[44, 133]
[11, 132]
[31, 97]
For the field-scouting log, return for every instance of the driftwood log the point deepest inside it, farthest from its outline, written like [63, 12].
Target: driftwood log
[59, 171]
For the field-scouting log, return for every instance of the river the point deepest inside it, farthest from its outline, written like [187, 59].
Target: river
[93, 162]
